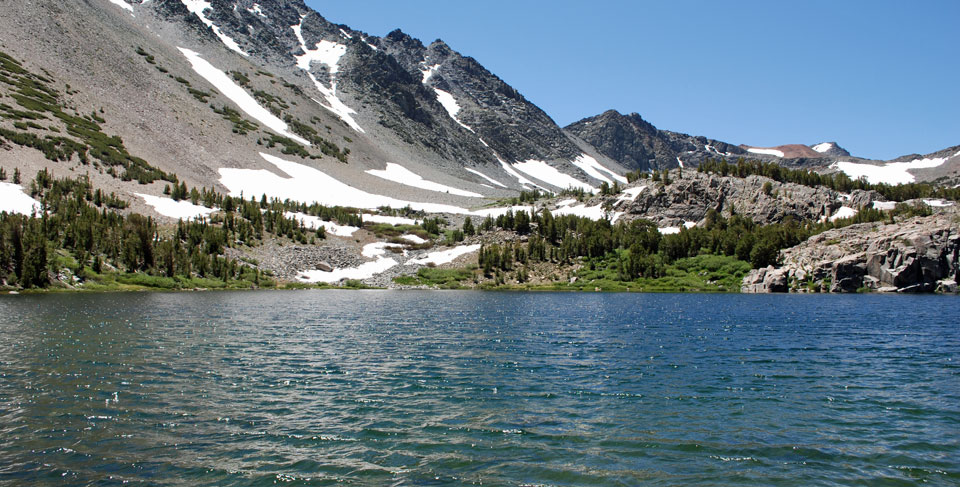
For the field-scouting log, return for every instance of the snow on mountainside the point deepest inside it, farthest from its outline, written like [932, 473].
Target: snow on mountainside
[200, 88]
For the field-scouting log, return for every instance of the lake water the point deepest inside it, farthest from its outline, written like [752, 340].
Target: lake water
[469, 388]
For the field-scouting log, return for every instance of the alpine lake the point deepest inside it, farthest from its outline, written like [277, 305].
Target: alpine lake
[418, 388]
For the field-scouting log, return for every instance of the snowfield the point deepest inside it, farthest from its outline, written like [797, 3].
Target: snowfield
[769, 152]
[14, 200]
[303, 182]
[303, 185]
[594, 169]
[526, 183]
[197, 7]
[445, 256]
[329, 54]
[183, 210]
[224, 84]
[544, 172]
[402, 175]
[891, 172]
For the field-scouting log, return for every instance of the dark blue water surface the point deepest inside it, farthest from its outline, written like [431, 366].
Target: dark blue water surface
[468, 388]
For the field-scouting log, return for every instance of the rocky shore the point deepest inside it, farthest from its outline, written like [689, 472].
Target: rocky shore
[920, 254]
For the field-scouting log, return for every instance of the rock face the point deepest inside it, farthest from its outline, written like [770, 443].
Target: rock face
[921, 254]
[637, 144]
[688, 199]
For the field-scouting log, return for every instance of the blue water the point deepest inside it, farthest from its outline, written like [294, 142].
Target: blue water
[468, 388]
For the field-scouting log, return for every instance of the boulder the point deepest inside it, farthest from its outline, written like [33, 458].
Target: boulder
[766, 280]
[920, 254]
[324, 267]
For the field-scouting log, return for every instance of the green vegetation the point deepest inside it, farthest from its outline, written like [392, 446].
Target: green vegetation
[326, 147]
[240, 125]
[439, 278]
[86, 140]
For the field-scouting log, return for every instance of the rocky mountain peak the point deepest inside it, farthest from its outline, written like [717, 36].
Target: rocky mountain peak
[830, 149]
[637, 144]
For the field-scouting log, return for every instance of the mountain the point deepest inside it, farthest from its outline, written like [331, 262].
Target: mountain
[229, 80]
[638, 145]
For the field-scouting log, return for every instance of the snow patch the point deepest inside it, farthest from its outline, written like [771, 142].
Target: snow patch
[124, 5]
[445, 256]
[329, 54]
[937, 203]
[303, 184]
[676, 230]
[389, 220]
[345, 34]
[889, 173]
[769, 152]
[522, 180]
[414, 239]
[551, 175]
[843, 212]
[238, 95]
[630, 194]
[313, 223]
[451, 106]
[197, 7]
[14, 200]
[377, 249]
[592, 168]
[402, 175]
[363, 271]
[429, 72]
[257, 10]
[484, 176]
[824, 147]
[884, 205]
[680, 162]
[592, 212]
[184, 210]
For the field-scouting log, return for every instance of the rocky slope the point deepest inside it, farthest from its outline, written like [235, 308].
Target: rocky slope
[688, 199]
[921, 254]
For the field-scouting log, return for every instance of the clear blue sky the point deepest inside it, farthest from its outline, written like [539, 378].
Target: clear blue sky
[880, 77]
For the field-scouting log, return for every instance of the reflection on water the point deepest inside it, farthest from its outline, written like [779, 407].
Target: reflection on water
[437, 388]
